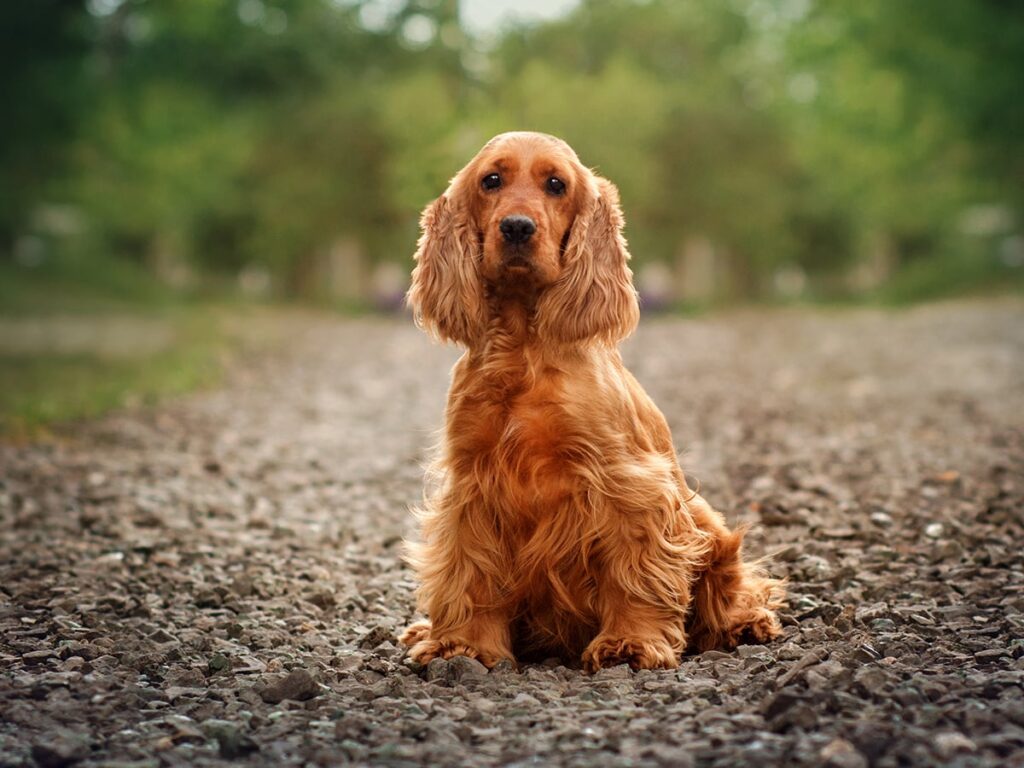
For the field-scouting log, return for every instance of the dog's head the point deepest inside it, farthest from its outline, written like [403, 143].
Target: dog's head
[526, 222]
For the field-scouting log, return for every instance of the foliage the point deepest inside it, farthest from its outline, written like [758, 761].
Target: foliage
[198, 139]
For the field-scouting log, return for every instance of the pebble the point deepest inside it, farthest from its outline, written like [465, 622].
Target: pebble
[882, 519]
[437, 669]
[747, 651]
[218, 663]
[950, 743]
[60, 749]
[618, 672]
[298, 685]
[463, 668]
[991, 654]
[871, 680]
[839, 753]
[232, 742]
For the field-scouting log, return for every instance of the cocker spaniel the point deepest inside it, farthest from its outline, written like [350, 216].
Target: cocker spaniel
[559, 522]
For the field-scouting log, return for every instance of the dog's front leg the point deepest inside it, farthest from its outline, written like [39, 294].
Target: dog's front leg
[460, 566]
[643, 636]
[485, 637]
[643, 585]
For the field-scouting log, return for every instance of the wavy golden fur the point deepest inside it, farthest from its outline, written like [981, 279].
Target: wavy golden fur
[559, 522]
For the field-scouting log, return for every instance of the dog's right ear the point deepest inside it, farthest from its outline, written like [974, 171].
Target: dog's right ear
[446, 294]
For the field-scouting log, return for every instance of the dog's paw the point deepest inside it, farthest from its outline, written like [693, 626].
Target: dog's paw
[640, 653]
[415, 633]
[759, 623]
[423, 647]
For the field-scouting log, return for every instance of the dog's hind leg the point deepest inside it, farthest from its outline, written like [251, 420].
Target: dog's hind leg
[732, 598]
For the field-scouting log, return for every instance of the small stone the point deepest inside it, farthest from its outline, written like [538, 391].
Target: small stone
[504, 667]
[991, 654]
[463, 668]
[618, 672]
[298, 685]
[375, 637]
[37, 657]
[788, 554]
[231, 741]
[161, 635]
[74, 648]
[324, 600]
[218, 663]
[352, 749]
[871, 680]
[715, 655]
[949, 743]
[779, 703]
[186, 677]
[839, 753]
[73, 663]
[868, 613]
[815, 567]
[60, 750]
[947, 550]
[800, 716]
[933, 530]
[525, 701]
[866, 653]
[208, 598]
[839, 533]
[437, 669]
[789, 652]
[746, 651]
[881, 519]
[809, 659]
[815, 680]
[242, 586]
[175, 692]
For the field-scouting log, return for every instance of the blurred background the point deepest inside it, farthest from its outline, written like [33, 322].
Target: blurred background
[161, 159]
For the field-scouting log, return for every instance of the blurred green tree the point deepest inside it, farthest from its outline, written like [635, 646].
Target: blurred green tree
[809, 141]
[43, 47]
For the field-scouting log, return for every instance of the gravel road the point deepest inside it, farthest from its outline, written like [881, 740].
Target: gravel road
[219, 580]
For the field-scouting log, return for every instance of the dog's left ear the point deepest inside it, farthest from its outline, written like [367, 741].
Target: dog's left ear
[594, 297]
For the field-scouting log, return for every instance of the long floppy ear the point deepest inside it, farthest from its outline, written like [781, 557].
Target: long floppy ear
[446, 294]
[594, 296]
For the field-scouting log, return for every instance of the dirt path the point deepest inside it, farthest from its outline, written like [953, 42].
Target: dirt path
[161, 572]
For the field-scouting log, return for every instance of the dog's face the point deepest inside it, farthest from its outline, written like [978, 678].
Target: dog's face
[525, 222]
[526, 199]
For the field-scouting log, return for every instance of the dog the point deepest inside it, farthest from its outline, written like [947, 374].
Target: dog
[558, 522]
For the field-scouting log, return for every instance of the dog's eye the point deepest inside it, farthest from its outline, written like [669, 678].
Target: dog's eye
[491, 181]
[556, 186]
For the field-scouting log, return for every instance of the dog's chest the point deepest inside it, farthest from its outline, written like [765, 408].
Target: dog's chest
[525, 452]
[519, 445]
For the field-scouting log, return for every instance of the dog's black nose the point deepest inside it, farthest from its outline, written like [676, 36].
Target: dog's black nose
[517, 229]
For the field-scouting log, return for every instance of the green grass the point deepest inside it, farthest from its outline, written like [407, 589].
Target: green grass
[44, 388]
[136, 340]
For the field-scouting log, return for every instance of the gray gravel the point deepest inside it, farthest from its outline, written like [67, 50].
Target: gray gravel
[219, 580]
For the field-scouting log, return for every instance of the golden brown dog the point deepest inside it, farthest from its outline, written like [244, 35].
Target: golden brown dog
[561, 523]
